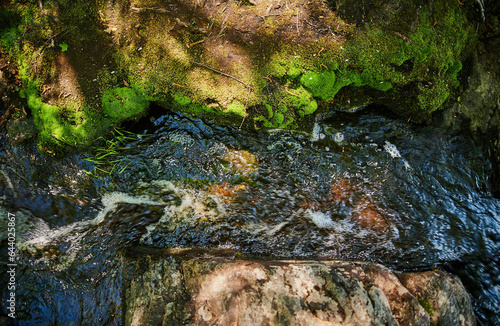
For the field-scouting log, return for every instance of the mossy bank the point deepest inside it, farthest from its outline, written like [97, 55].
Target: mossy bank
[88, 66]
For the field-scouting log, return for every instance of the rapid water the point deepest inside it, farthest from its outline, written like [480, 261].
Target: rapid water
[361, 186]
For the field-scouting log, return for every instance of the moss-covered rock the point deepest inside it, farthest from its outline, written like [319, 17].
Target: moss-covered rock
[124, 103]
[319, 84]
[269, 65]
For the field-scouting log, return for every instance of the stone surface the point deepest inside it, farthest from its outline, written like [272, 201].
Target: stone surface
[477, 109]
[20, 130]
[185, 288]
[444, 293]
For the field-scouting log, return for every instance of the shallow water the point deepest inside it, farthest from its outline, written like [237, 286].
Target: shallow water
[360, 187]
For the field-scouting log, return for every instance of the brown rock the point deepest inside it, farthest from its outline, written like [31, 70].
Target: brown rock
[365, 214]
[341, 190]
[443, 296]
[196, 290]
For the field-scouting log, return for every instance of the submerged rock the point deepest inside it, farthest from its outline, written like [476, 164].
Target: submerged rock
[198, 289]
[366, 215]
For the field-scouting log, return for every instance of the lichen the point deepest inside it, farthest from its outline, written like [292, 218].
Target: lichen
[427, 306]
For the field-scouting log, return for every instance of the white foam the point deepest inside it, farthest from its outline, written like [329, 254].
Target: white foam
[392, 150]
[111, 200]
[181, 138]
[338, 137]
[316, 132]
[276, 228]
[322, 220]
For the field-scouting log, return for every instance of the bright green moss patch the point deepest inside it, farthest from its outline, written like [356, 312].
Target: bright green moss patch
[429, 54]
[62, 127]
[294, 72]
[320, 84]
[123, 103]
[237, 108]
[279, 118]
[182, 100]
[301, 100]
[288, 105]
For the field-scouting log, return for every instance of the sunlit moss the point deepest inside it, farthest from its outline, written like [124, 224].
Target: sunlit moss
[123, 103]
[287, 77]
[236, 107]
[320, 84]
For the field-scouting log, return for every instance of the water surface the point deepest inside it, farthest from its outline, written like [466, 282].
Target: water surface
[361, 186]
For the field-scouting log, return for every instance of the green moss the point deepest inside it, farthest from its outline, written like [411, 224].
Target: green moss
[432, 52]
[294, 72]
[320, 84]
[237, 108]
[376, 56]
[421, 49]
[57, 127]
[10, 33]
[280, 118]
[427, 306]
[301, 100]
[269, 110]
[182, 100]
[123, 103]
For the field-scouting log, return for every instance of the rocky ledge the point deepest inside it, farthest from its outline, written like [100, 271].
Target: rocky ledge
[187, 289]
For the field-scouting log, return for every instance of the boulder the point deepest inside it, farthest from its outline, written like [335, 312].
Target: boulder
[199, 289]
[256, 64]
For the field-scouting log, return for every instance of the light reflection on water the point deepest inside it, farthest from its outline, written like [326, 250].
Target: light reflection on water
[362, 187]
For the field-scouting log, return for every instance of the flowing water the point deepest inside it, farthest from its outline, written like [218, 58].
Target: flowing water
[361, 186]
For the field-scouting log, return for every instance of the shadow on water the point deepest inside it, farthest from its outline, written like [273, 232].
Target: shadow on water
[360, 187]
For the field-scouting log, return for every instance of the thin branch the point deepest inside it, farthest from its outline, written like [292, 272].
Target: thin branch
[220, 72]
[63, 32]
[264, 17]
[229, 76]
[139, 9]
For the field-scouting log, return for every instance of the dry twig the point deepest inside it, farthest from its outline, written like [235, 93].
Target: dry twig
[219, 72]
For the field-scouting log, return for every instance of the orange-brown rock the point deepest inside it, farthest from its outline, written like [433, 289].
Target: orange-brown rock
[341, 190]
[190, 289]
[227, 190]
[366, 215]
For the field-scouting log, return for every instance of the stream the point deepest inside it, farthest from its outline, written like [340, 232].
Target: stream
[361, 186]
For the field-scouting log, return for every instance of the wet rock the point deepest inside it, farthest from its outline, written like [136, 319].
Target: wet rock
[25, 222]
[226, 190]
[21, 130]
[241, 161]
[202, 290]
[341, 190]
[365, 214]
[477, 109]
